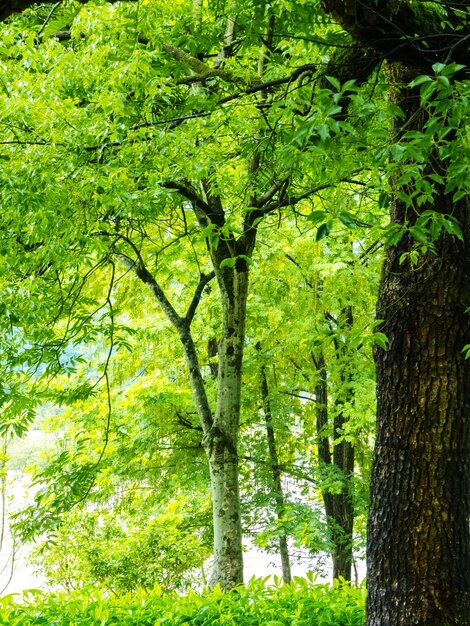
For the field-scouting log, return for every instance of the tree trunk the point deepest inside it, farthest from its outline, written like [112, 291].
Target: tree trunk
[343, 457]
[339, 509]
[343, 508]
[276, 478]
[220, 430]
[221, 442]
[418, 553]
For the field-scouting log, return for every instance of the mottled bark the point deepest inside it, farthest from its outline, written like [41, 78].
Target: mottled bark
[276, 478]
[418, 535]
[221, 442]
[221, 449]
[418, 554]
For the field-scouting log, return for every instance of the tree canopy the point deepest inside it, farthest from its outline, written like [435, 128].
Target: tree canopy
[196, 200]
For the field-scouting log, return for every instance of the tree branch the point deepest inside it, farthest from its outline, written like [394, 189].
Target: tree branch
[185, 189]
[203, 282]
[180, 324]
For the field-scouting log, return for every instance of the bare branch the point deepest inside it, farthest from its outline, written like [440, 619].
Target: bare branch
[184, 421]
[48, 18]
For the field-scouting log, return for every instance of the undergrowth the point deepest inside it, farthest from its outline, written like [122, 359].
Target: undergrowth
[259, 603]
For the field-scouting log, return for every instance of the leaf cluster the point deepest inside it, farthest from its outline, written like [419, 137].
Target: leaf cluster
[302, 603]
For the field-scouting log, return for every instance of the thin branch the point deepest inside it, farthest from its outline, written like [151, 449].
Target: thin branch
[141, 271]
[297, 395]
[269, 195]
[180, 324]
[184, 421]
[204, 280]
[48, 18]
[200, 207]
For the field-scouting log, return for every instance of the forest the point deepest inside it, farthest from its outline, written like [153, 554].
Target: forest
[234, 310]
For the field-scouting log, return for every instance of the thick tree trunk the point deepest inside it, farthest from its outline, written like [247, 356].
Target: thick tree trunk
[276, 478]
[418, 536]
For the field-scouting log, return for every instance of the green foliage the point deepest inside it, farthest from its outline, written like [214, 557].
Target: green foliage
[124, 548]
[109, 134]
[302, 603]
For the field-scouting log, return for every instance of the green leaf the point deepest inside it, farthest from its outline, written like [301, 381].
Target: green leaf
[419, 80]
[394, 234]
[438, 67]
[381, 340]
[323, 231]
[459, 195]
[334, 81]
[316, 216]
[397, 151]
[419, 234]
[230, 262]
[348, 219]
[384, 200]
[453, 228]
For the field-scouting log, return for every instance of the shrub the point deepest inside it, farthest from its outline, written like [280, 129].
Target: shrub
[259, 603]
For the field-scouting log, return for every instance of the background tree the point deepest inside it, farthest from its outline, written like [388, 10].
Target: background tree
[150, 173]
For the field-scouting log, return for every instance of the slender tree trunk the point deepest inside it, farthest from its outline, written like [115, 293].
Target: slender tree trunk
[343, 457]
[221, 442]
[221, 429]
[339, 507]
[418, 536]
[276, 478]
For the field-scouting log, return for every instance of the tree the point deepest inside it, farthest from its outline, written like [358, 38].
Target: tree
[418, 544]
[149, 168]
[314, 283]
[246, 174]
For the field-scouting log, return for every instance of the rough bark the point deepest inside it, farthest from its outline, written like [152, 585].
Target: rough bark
[276, 477]
[418, 536]
[402, 30]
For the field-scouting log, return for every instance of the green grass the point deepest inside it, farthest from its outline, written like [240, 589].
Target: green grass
[259, 603]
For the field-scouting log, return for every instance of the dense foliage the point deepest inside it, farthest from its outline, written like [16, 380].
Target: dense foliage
[106, 173]
[302, 603]
[194, 201]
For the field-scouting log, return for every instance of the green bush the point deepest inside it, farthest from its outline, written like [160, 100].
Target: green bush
[259, 603]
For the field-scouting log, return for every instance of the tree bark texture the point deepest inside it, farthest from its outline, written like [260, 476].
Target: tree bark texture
[221, 442]
[418, 553]
[402, 30]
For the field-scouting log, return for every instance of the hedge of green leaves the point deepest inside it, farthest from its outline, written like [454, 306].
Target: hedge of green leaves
[302, 603]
